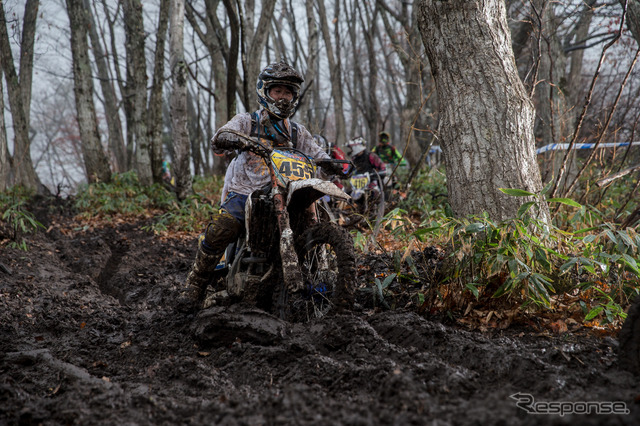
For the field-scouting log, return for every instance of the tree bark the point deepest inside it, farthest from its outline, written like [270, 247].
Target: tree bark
[214, 39]
[112, 116]
[179, 101]
[335, 73]
[96, 164]
[19, 90]
[5, 159]
[633, 17]
[154, 112]
[232, 58]
[258, 40]
[413, 117]
[486, 117]
[137, 87]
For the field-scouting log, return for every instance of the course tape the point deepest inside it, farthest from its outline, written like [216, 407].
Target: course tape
[564, 146]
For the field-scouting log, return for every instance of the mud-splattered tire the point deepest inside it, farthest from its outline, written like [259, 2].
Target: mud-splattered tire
[327, 262]
[629, 348]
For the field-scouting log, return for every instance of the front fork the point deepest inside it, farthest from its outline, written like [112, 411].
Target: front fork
[290, 267]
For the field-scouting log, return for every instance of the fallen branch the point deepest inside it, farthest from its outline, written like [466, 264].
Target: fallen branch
[70, 370]
[603, 182]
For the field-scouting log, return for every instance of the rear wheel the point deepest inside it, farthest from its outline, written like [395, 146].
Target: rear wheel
[327, 262]
[629, 348]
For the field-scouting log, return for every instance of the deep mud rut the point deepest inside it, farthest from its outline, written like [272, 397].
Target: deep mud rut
[89, 335]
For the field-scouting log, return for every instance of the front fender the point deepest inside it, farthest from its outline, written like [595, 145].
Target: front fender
[316, 188]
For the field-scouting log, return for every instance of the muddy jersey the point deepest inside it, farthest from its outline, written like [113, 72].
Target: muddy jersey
[248, 172]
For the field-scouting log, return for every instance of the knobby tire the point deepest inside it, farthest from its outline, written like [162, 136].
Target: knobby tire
[327, 285]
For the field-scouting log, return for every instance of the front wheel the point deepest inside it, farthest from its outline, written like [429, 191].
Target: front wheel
[629, 348]
[327, 261]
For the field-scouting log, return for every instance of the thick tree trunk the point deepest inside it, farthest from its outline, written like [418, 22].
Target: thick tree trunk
[137, 87]
[486, 118]
[96, 164]
[114, 125]
[19, 90]
[154, 112]
[179, 101]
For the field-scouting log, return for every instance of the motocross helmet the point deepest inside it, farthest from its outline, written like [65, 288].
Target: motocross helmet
[322, 143]
[356, 145]
[384, 137]
[279, 73]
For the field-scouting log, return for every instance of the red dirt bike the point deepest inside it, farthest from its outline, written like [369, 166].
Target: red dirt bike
[629, 338]
[289, 262]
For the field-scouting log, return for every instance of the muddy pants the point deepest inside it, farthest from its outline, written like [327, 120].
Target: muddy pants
[225, 227]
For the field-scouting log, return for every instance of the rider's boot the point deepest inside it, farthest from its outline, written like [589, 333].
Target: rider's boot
[192, 296]
[222, 230]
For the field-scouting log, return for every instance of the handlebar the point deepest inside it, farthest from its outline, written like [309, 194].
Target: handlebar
[248, 143]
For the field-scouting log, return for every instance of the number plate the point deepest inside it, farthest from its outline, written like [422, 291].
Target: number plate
[291, 166]
[359, 181]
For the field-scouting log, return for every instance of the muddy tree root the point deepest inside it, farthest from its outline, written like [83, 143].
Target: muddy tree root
[71, 371]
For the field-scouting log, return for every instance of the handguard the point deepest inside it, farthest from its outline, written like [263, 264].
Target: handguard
[225, 143]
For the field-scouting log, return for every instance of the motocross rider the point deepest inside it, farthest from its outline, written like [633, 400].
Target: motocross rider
[387, 152]
[278, 89]
[365, 161]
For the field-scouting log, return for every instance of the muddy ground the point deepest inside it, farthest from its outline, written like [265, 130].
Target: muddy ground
[89, 334]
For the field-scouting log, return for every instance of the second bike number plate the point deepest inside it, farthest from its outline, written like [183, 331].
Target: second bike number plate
[291, 165]
[359, 181]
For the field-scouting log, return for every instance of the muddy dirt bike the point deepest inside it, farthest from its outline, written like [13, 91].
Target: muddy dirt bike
[368, 201]
[629, 339]
[289, 262]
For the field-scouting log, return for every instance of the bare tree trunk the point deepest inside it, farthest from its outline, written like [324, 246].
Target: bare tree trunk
[127, 100]
[96, 164]
[214, 39]
[154, 111]
[256, 48]
[116, 138]
[554, 121]
[335, 72]
[19, 89]
[371, 105]
[5, 159]
[313, 102]
[633, 17]
[232, 59]
[178, 66]
[137, 87]
[486, 117]
[412, 119]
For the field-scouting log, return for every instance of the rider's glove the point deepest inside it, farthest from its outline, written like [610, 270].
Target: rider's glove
[229, 142]
[330, 167]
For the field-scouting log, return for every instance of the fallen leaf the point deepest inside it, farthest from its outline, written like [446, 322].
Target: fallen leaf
[558, 326]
